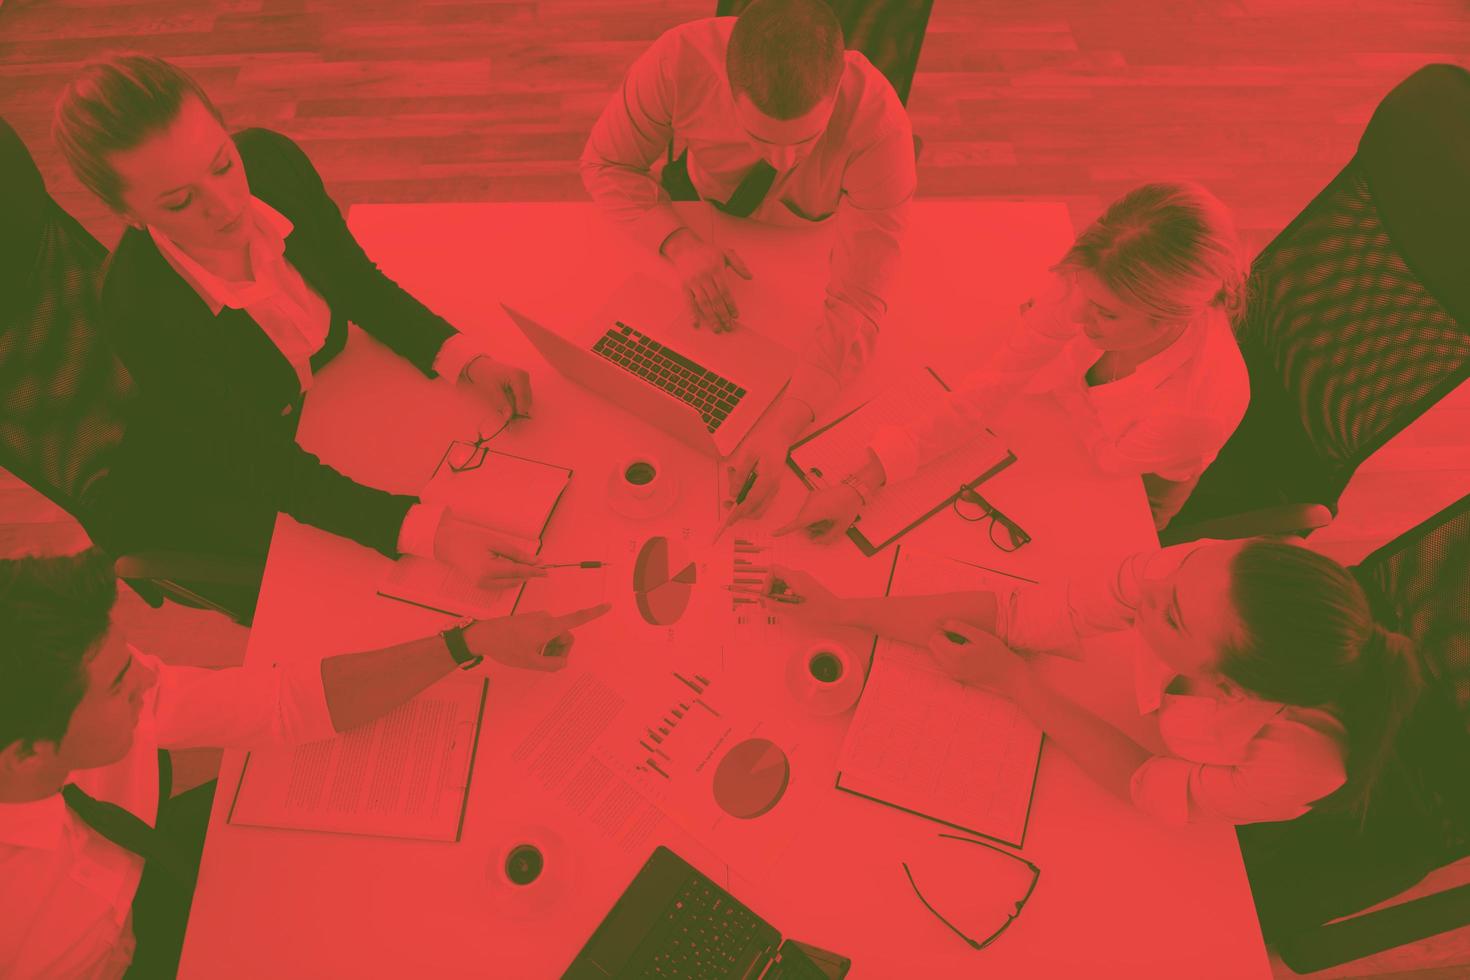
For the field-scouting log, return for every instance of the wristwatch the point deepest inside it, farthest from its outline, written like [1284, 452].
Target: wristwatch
[458, 648]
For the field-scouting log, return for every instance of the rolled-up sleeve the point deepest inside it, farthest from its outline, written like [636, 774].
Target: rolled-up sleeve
[1055, 616]
[241, 707]
[1288, 767]
[872, 214]
[635, 127]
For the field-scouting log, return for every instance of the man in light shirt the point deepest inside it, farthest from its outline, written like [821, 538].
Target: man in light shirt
[91, 851]
[765, 116]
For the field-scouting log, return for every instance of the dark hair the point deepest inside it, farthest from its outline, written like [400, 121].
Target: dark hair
[785, 55]
[53, 613]
[114, 105]
[1310, 639]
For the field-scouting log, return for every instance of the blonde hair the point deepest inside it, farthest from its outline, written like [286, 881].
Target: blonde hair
[114, 105]
[1169, 249]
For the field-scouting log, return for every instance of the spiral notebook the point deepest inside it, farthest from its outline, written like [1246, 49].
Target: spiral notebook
[841, 447]
[510, 494]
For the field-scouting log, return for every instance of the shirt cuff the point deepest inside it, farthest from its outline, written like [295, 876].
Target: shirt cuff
[305, 716]
[455, 355]
[1160, 788]
[656, 225]
[813, 387]
[420, 527]
[896, 451]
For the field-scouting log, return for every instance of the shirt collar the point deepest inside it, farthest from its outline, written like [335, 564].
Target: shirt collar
[269, 230]
[37, 823]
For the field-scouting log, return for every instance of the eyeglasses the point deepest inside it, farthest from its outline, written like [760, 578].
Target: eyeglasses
[1005, 533]
[470, 455]
[1012, 917]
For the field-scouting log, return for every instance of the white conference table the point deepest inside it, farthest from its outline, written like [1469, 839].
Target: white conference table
[1118, 895]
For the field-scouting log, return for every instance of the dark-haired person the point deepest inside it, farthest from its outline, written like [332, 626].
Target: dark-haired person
[1134, 337]
[231, 287]
[85, 855]
[766, 116]
[1272, 687]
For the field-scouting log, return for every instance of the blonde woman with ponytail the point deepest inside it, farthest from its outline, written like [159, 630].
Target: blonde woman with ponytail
[1133, 335]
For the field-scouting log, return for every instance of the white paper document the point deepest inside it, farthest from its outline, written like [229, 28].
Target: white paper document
[509, 494]
[842, 448]
[923, 742]
[404, 775]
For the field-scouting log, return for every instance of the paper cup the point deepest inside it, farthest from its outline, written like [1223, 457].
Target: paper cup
[825, 678]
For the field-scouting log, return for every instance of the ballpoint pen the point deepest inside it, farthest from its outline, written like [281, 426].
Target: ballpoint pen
[739, 499]
[778, 593]
[578, 564]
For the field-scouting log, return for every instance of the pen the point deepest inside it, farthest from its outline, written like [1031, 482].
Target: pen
[739, 499]
[577, 564]
[790, 598]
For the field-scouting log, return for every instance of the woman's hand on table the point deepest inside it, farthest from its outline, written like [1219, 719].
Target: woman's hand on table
[489, 557]
[530, 641]
[504, 387]
[800, 597]
[972, 656]
[826, 514]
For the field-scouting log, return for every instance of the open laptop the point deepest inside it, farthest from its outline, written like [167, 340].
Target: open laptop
[674, 922]
[641, 354]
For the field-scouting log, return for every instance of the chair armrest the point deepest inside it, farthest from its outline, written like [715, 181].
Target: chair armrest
[1280, 519]
[184, 566]
[1363, 935]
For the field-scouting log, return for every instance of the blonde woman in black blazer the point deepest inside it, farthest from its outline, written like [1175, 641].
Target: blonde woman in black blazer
[232, 285]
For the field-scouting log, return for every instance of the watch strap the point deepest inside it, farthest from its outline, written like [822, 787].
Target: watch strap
[458, 648]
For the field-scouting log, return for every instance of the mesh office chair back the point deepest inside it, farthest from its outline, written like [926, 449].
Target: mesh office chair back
[889, 33]
[1355, 324]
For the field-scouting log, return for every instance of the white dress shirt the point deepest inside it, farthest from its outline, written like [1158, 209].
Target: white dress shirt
[67, 894]
[860, 172]
[296, 319]
[1169, 417]
[1236, 758]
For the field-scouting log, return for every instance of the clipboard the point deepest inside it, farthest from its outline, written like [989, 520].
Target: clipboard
[412, 578]
[866, 545]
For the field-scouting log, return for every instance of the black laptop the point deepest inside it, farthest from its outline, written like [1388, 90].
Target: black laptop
[674, 922]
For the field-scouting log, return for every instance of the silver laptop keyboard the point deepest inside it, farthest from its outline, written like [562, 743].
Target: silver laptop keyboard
[711, 395]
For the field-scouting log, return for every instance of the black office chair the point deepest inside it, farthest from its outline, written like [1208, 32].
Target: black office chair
[65, 398]
[1358, 319]
[1308, 872]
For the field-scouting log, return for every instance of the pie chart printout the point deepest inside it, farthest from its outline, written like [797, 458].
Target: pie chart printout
[751, 779]
[662, 593]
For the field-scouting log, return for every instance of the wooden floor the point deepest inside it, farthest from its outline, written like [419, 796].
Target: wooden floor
[1071, 100]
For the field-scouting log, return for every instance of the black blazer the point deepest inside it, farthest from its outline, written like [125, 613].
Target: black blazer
[220, 384]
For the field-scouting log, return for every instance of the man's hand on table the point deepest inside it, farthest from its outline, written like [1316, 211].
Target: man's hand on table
[504, 387]
[530, 641]
[701, 268]
[490, 558]
[763, 451]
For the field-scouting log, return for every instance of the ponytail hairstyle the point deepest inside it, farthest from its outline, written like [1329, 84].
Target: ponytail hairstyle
[1308, 638]
[1169, 249]
[113, 106]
